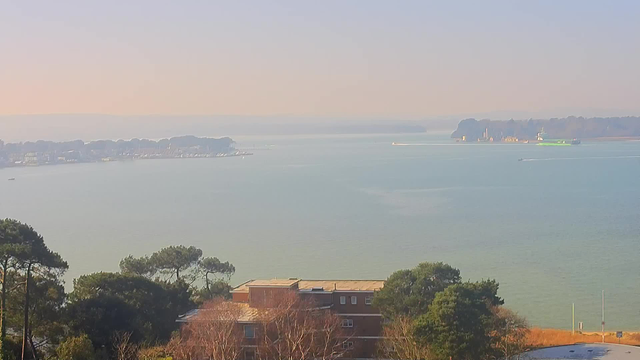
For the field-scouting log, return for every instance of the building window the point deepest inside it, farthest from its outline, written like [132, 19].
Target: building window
[347, 345]
[249, 332]
[343, 300]
[354, 300]
[347, 323]
[368, 300]
[249, 354]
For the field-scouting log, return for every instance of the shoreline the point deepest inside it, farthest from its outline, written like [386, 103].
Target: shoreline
[535, 142]
[22, 166]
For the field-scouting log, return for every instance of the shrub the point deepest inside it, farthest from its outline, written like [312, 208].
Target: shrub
[76, 348]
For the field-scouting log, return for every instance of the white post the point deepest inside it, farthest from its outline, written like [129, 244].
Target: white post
[573, 319]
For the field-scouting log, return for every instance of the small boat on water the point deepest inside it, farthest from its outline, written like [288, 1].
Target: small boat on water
[520, 159]
[12, 179]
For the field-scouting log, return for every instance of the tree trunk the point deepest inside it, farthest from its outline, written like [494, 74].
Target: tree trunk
[177, 274]
[3, 309]
[25, 329]
[33, 347]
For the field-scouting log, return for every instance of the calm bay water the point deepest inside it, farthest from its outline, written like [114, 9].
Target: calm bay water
[554, 229]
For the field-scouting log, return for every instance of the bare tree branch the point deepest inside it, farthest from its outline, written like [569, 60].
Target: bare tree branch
[400, 343]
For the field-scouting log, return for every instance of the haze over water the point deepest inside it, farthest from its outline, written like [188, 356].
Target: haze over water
[555, 228]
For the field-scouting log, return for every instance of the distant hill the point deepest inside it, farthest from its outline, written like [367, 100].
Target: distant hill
[40, 146]
[565, 128]
[66, 127]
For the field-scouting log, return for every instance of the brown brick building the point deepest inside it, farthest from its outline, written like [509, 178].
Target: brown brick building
[351, 300]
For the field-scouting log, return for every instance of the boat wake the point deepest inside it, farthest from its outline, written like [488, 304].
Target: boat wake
[585, 158]
[404, 144]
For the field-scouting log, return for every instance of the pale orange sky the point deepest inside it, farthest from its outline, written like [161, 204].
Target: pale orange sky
[384, 59]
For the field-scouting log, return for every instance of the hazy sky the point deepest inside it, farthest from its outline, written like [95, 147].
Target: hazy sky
[318, 58]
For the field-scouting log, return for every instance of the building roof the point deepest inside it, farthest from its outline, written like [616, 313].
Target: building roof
[240, 312]
[233, 311]
[325, 285]
[272, 283]
[341, 285]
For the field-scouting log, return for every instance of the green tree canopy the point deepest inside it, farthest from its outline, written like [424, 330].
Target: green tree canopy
[33, 256]
[33, 251]
[76, 348]
[101, 317]
[213, 266]
[12, 244]
[487, 290]
[217, 289]
[46, 306]
[459, 322]
[410, 292]
[12, 247]
[152, 307]
[187, 265]
[174, 260]
[137, 266]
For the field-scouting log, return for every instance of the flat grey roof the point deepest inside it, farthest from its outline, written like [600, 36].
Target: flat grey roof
[586, 351]
[326, 285]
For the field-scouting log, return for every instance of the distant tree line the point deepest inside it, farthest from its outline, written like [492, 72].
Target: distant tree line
[565, 128]
[41, 146]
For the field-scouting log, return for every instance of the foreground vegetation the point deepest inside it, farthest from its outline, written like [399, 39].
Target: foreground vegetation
[433, 315]
[123, 315]
[429, 312]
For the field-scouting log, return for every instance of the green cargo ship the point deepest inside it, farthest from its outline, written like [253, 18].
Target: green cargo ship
[559, 142]
[542, 137]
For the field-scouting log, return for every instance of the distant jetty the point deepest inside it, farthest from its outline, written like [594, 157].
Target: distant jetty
[56, 153]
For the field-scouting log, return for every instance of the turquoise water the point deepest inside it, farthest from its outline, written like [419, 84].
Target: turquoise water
[554, 229]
